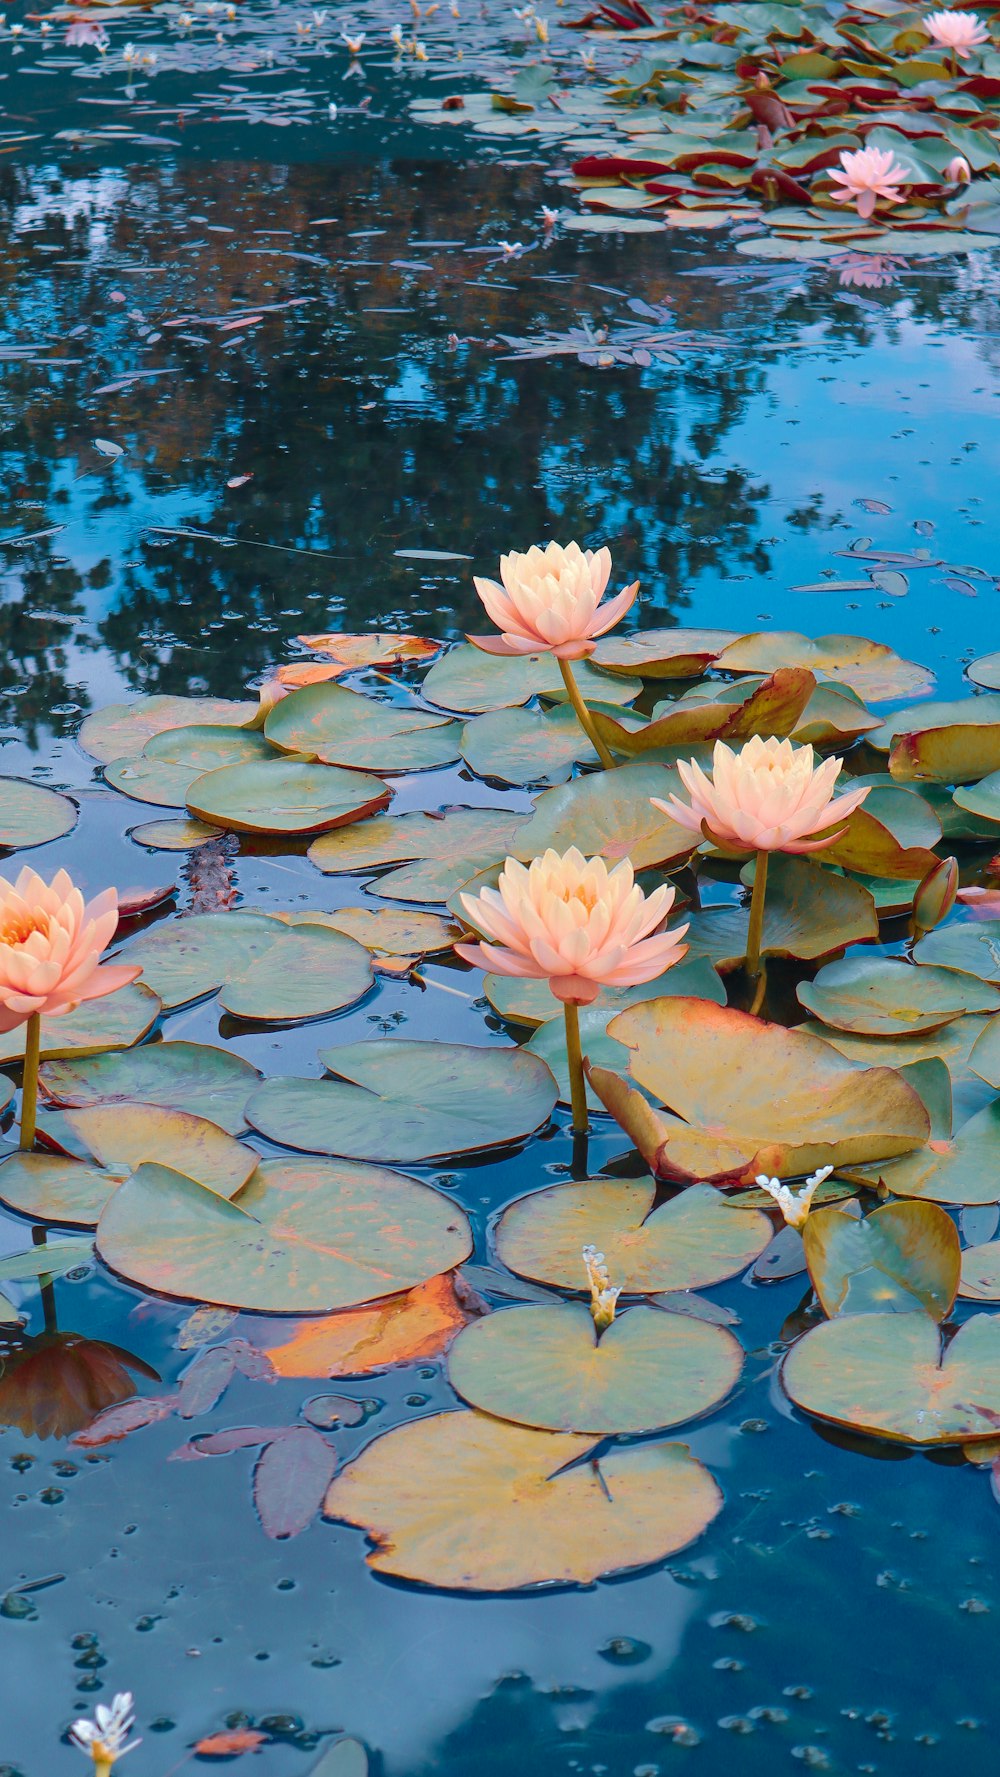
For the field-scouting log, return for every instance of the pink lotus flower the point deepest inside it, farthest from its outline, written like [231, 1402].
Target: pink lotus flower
[50, 948]
[961, 32]
[770, 796]
[958, 171]
[866, 175]
[573, 923]
[550, 602]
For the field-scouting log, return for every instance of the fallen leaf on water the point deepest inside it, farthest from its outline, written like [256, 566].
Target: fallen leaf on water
[352, 651]
[418, 1325]
[116, 1422]
[227, 1745]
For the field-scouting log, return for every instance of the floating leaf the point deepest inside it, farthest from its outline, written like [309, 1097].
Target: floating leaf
[171, 761]
[372, 649]
[471, 1503]
[213, 1083]
[205, 1382]
[962, 1170]
[892, 834]
[690, 1241]
[524, 1001]
[327, 1411]
[953, 743]
[869, 668]
[51, 1260]
[410, 1328]
[970, 949]
[774, 706]
[716, 1067]
[305, 1236]
[285, 797]
[467, 680]
[32, 815]
[115, 1022]
[610, 814]
[982, 799]
[663, 653]
[123, 728]
[183, 834]
[985, 671]
[901, 1258]
[546, 1367]
[523, 746]
[408, 1100]
[785, 1257]
[886, 996]
[809, 912]
[833, 718]
[290, 1481]
[549, 1044]
[346, 1758]
[341, 727]
[230, 1743]
[981, 1273]
[118, 1421]
[448, 850]
[887, 1375]
[263, 968]
[388, 932]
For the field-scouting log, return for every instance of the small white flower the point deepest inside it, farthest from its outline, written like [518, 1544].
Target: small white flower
[542, 30]
[15, 30]
[419, 52]
[587, 58]
[396, 34]
[130, 53]
[149, 58]
[185, 21]
[510, 249]
[603, 1297]
[319, 18]
[353, 43]
[104, 1737]
[794, 1208]
[331, 111]
[549, 218]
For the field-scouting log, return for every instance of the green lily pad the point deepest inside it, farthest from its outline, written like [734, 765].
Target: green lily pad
[608, 813]
[902, 1258]
[32, 815]
[773, 705]
[893, 834]
[888, 1375]
[262, 968]
[282, 796]
[809, 912]
[663, 653]
[970, 948]
[388, 931]
[549, 1044]
[919, 718]
[117, 1021]
[833, 718]
[183, 834]
[341, 727]
[532, 1002]
[123, 728]
[522, 746]
[952, 742]
[305, 1237]
[982, 799]
[981, 1273]
[171, 761]
[438, 853]
[546, 1367]
[985, 671]
[984, 1055]
[869, 668]
[407, 1100]
[212, 1083]
[886, 996]
[690, 1241]
[51, 1260]
[120, 1137]
[475, 1504]
[962, 1170]
[470, 681]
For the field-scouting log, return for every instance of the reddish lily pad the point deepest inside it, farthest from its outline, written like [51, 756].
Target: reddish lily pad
[891, 835]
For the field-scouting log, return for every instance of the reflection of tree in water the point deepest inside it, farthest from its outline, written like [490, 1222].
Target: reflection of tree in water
[37, 627]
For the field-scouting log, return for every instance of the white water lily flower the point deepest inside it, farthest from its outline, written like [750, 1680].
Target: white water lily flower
[603, 1297]
[794, 1206]
[104, 1737]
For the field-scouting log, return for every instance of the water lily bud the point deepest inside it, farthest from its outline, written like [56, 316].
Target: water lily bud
[958, 171]
[935, 897]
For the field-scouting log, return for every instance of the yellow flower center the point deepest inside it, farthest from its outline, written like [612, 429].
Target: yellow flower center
[17, 928]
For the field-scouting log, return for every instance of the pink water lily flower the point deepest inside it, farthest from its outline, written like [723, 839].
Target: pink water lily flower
[770, 796]
[961, 32]
[958, 171]
[866, 175]
[51, 945]
[574, 923]
[550, 602]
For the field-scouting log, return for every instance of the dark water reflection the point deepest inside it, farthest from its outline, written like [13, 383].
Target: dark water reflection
[841, 1613]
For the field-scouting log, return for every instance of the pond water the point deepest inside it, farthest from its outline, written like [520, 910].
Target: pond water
[288, 324]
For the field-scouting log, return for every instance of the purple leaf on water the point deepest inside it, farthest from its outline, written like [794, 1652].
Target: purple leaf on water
[290, 1481]
[205, 1381]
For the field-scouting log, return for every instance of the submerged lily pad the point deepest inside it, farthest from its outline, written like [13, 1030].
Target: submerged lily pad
[341, 727]
[117, 1021]
[888, 1375]
[407, 1100]
[546, 1367]
[437, 852]
[171, 761]
[282, 796]
[902, 1258]
[212, 1083]
[690, 1241]
[471, 1503]
[124, 728]
[263, 968]
[32, 815]
[470, 681]
[524, 1001]
[886, 996]
[305, 1236]
[608, 813]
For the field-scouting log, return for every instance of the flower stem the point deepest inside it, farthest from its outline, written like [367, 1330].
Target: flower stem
[29, 1083]
[584, 716]
[756, 931]
[577, 1085]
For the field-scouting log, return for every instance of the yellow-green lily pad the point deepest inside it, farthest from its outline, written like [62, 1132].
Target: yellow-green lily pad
[32, 815]
[887, 996]
[282, 796]
[902, 1258]
[341, 727]
[890, 1376]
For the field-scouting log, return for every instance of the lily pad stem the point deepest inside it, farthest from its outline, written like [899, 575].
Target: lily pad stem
[29, 1083]
[756, 931]
[577, 1085]
[584, 716]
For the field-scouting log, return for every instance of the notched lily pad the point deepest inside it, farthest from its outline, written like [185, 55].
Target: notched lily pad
[117, 1021]
[282, 796]
[470, 681]
[437, 853]
[886, 996]
[124, 728]
[171, 761]
[212, 1083]
[869, 668]
[902, 1258]
[809, 912]
[341, 727]
[524, 1001]
[888, 1375]
[608, 813]
[262, 967]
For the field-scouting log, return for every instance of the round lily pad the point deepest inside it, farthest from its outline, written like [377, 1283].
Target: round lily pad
[883, 996]
[170, 761]
[526, 746]
[549, 1044]
[408, 1101]
[57, 1188]
[263, 968]
[902, 1258]
[962, 1170]
[887, 1374]
[609, 813]
[869, 668]
[388, 931]
[982, 799]
[470, 681]
[471, 1503]
[282, 796]
[972, 948]
[183, 834]
[121, 728]
[117, 1021]
[304, 1236]
[341, 727]
[32, 815]
[980, 1280]
[546, 1367]
[985, 671]
[663, 653]
[213, 1083]
[532, 1002]
[891, 835]
[446, 850]
[692, 1240]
